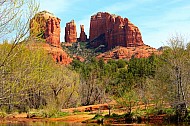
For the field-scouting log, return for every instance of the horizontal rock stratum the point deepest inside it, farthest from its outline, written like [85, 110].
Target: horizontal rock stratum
[111, 30]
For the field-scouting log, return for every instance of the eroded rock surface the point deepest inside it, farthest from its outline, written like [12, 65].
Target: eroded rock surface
[83, 36]
[129, 52]
[111, 30]
[70, 32]
[45, 26]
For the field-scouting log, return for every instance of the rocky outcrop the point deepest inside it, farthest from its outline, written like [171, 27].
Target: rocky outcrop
[83, 36]
[46, 26]
[111, 30]
[106, 32]
[129, 52]
[58, 55]
[70, 32]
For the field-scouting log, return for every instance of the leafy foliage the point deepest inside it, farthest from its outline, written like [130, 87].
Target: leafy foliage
[31, 79]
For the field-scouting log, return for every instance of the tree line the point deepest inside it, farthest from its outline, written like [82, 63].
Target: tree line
[162, 80]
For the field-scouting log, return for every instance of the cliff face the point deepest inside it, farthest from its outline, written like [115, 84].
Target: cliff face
[70, 32]
[58, 54]
[83, 36]
[105, 29]
[45, 25]
[111, 30]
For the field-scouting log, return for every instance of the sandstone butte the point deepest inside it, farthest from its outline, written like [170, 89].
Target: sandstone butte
[105, 29]
[70, 32]
[45, 25]
[114, 31]
[111, 31]
[83, 36]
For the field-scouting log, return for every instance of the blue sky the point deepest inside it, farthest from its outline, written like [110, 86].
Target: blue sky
[157, 20]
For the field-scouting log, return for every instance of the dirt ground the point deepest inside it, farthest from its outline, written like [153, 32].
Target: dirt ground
[87, 112]
[21, 118]
[78, 114]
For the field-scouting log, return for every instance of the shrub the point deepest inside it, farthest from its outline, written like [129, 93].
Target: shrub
[2, 114]
[98, 116]
[169, 111]
[47, 114]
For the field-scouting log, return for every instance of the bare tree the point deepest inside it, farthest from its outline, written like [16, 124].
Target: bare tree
[15, 16]
[174, 73]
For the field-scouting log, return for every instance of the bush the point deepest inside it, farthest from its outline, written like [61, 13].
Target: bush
[138, 113]
[187, 119]
[76, 111]
[47, 114]
[98, 116]
[2, 114]
[59, 114]
[169, 111]
[151, 111]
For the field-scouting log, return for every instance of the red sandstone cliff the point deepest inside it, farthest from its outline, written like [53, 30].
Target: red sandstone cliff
[105, 29]
[83, 36]
[46, 26]
[111, 30]
[70, 32]
[58, 54]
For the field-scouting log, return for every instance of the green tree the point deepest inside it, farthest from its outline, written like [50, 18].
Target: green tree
[23, 78]
[63, 88]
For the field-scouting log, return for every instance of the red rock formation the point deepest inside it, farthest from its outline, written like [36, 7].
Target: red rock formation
[58, 54]
[129, 52]
[83, 36]
[112, 30]
[45, 25]
[70, 32]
